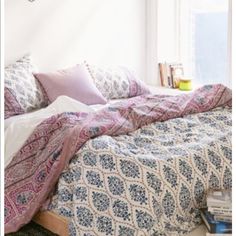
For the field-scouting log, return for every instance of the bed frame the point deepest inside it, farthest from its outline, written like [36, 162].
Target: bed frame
[59, 225]
[51, 221]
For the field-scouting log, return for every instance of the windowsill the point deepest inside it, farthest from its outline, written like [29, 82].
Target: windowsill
[167, 91]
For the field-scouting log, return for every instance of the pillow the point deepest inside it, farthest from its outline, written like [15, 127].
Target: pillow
[22, 92]
[74, 82]
[116, 82]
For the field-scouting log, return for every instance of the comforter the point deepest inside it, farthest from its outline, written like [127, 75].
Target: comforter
[140, 167]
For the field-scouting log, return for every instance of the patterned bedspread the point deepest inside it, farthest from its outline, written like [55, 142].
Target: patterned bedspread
[139, 167]
[148, 182]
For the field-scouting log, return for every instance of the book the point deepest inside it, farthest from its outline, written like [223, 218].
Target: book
[219, 198]
[177, 72]
[170, 74]
[163, 74]
[209, 234]
[213, 226]
[224, 208]
[222, 218]
[221, 212]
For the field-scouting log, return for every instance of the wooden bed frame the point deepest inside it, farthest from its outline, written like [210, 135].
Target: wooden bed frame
[53, 222]
[60, 225]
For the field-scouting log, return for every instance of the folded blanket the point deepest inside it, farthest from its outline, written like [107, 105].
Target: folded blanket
[34, 171]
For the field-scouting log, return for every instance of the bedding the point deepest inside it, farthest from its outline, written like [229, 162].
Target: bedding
[22, 92]
[117, 82]
[138, 167]
[74, 82]
[18, 128]
[149, 182]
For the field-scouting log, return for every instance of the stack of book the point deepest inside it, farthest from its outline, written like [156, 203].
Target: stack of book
[170, 74]
[218, 214]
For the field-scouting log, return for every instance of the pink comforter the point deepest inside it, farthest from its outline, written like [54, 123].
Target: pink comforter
[34, 171]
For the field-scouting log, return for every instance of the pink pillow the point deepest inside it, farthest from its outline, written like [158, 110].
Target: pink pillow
[74, 82]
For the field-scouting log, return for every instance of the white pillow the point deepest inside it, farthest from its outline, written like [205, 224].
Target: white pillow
[22, 93]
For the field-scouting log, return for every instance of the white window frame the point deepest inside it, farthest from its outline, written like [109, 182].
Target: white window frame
[182, 52]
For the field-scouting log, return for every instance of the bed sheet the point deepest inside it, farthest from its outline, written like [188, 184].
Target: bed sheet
[18, 128]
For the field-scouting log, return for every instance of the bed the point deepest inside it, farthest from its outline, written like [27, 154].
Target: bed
[142, 167]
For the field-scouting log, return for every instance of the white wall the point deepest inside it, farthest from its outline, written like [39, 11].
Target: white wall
[167, 40]
[162, 36]
[61, 33]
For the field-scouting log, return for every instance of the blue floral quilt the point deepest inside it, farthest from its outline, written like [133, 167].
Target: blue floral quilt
[148, 182]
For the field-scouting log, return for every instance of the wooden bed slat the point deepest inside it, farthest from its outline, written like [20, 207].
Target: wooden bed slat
[53, 222]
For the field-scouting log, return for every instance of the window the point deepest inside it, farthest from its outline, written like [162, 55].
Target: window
[203, 37]
[194, 32]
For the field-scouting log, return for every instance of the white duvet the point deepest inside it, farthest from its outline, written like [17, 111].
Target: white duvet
[19, 128]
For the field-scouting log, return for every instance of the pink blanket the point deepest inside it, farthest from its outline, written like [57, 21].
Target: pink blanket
[34, 171]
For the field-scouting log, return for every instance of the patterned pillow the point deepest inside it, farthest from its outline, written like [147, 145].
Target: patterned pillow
[116, 82]
[22, 92]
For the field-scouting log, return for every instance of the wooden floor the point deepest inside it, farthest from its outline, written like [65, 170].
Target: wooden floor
[199, 231]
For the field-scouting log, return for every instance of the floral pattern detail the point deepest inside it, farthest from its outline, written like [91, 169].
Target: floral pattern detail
[84, 217]
[94, 178]
[23, 198]
[107, 162]
[184, 197]
[185, 170]
[199, 191]
[129, 169]
[66, 212]
[154, 182]
[170, 176]
[138, 193]
[73, 175]
[104, 225]
[157, 208]
[116, 185]
[65, 195]
[23, 93]
[121, 209]
[215, 159]
[227, 152]
[90, 159]
[201, 164]
[126, 231]
[100, 201]
[98, 144]
[168, 204]
[227, 178]
[144, 220]
[214, 181]
[81, 193]
[116, 82]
